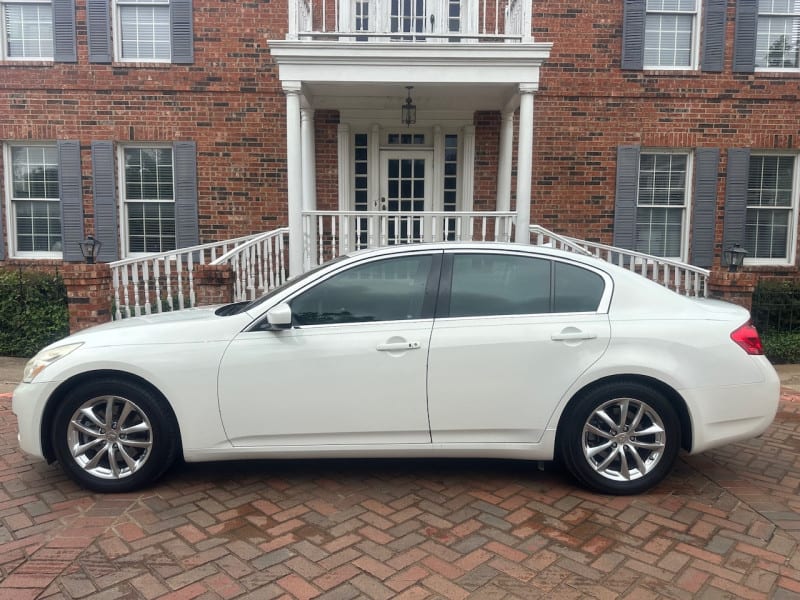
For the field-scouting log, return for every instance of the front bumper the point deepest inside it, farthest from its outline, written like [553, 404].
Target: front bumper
[28, 403]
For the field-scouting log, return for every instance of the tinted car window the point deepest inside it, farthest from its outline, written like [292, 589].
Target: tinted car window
[497, 284]
[576, 289]
[385, 290]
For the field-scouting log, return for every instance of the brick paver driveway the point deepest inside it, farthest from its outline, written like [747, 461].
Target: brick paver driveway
[724, 525]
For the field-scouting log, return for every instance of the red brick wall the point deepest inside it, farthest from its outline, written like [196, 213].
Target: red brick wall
[326, 146]
[587, 106]
[229, 101]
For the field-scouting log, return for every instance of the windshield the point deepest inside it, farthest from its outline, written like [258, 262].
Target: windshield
[288, 282]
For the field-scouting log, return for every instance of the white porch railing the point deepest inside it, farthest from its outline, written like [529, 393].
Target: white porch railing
[678, 276]
[258, 265]
[398, 20]
[328, 234]
[164, 281]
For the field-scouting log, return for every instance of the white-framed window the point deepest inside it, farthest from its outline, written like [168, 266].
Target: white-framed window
[778, 35]
[27, 32]
[142, 30]
[772, 197]
[662, 203]
[34, 206]
[148, 199]
[670, 36]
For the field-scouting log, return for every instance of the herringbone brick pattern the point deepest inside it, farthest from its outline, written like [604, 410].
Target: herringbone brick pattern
[725, 525]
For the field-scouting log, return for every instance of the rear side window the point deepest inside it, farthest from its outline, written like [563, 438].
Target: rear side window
[384, 290]
[576, 289]
[497, 284]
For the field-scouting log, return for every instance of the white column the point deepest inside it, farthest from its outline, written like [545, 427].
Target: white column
[504, 161]
[345, 155]
[468, 171]
[294, 176]
[524, 164]
[309, 171]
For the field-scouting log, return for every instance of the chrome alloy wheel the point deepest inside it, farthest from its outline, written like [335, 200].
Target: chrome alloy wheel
[623, 439]
[110, 437]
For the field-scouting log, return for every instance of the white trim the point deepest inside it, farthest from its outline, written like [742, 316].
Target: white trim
[791, 237]
[11, 230]
[4, 33]
[116, 31]
[345, 163]
[123, 202]
[694, 59]
[466, 177]
[687, 198]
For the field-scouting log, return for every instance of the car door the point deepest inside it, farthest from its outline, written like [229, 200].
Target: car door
[512, 333]
[351, 369]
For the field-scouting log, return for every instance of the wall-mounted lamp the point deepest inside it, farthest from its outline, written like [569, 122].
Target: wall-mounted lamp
[90, 247]
[734, 257]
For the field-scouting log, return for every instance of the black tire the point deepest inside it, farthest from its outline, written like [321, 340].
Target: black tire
[117, 455]
[604, 452]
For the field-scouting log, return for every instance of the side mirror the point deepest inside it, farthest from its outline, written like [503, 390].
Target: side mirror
[280, 317]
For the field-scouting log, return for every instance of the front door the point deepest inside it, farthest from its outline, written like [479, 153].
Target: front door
[406, 194]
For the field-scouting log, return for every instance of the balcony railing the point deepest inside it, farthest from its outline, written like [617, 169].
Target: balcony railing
[411, 20]
[258, 265]
[678, 276]
[328, 234]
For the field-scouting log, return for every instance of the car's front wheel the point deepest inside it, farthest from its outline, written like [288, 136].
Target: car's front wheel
[113, 435]
[620, 438]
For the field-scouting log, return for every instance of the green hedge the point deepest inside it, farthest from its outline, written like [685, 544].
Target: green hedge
[781, 347]
[33, 311]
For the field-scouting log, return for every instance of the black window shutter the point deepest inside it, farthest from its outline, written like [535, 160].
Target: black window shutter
[625, 202]
[180, 16]
[704, 217]
[71, 194]
[105, 200]
[714, 35]
[736, 197]
[186, 221]
[64, 49]
[633, 34]
[98, 30]
[744, 46]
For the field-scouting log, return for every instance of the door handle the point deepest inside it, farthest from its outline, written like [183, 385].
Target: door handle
[571, 336]
[397, 346]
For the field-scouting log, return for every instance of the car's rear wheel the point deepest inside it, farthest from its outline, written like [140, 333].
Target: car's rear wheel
[620, 438]
[113, 435]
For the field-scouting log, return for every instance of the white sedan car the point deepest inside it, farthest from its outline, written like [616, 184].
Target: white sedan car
[458, 350]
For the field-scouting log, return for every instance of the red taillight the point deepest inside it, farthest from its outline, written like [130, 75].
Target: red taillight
[747, 337]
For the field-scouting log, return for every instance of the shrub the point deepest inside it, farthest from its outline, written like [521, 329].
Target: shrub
[776, 306]
[781, 347]
[33, 311]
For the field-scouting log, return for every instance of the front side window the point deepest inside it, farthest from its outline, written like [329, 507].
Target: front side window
[778, 35]
[143, 30]
[35, 209]
[385, 290]
[661, 204]
[670, 32]
[27, 30]
[149, 199]
[499, 284]
[771, 199]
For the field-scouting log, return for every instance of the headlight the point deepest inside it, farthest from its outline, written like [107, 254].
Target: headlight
[45, 358]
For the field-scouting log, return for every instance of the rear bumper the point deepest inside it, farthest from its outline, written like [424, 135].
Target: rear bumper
[725, 414]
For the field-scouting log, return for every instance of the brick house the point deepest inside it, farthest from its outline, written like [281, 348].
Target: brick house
[667, 127]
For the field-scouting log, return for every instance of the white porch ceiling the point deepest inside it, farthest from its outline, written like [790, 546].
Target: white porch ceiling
[446, 77]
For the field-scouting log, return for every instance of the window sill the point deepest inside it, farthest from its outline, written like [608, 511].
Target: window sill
[39, 62]
[141, 65]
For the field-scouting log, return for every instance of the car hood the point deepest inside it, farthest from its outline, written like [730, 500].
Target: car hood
[177, 327]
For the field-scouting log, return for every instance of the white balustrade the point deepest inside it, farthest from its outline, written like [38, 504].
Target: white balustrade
[164, 281]
[381, 20]
[258, 264]
[680, 277]
[328, 234]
